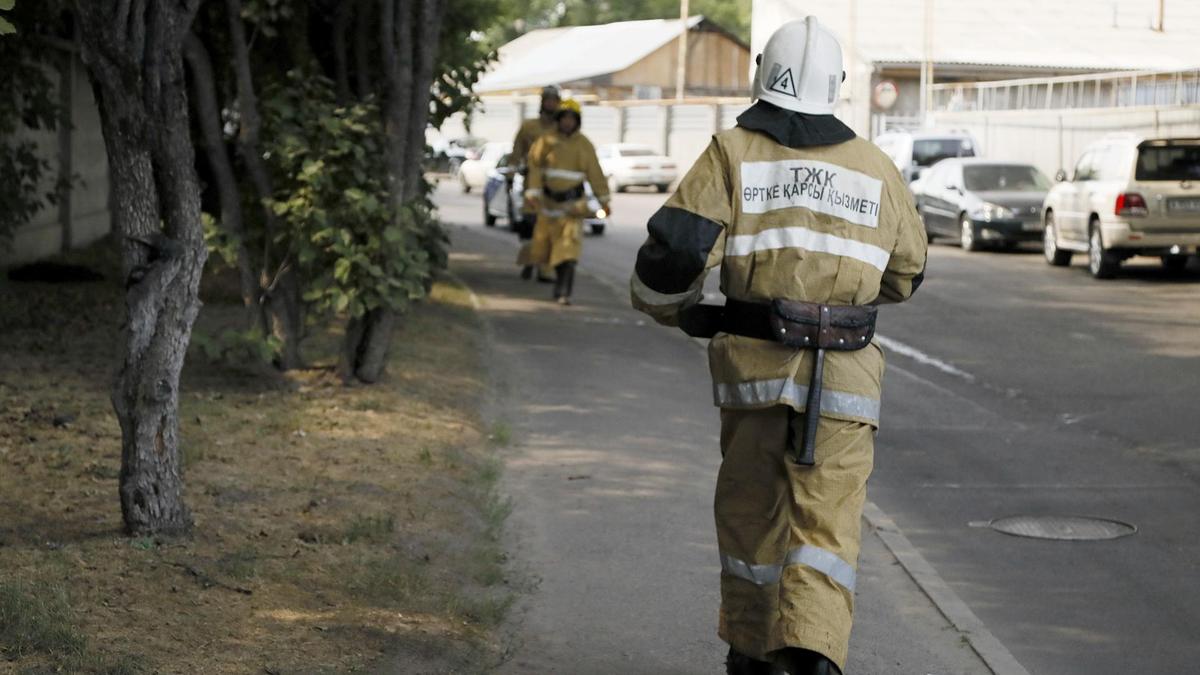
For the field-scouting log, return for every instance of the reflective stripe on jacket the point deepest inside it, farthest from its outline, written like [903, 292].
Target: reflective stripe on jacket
[559, 163]
[833, 224]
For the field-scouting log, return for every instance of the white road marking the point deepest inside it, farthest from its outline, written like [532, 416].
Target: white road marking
[923, 358]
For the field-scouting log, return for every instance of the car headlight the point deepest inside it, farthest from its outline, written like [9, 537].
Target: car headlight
[992, 212]
[601, 213]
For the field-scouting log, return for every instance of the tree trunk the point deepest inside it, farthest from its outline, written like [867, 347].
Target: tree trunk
[429, 22]
[362, 41]
[341, 67]
[208, 116]
[282, 299]
[134, 57]
[409, 34]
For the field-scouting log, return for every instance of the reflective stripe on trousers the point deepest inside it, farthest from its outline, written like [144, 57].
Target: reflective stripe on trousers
[790, 392]
[815, 557]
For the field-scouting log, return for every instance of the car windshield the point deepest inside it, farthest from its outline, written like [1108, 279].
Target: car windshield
[637, 152]
[1169, 162]
[930, 151]
[1006, 177]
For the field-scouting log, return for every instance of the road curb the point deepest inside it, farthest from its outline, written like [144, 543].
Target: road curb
[994, 654]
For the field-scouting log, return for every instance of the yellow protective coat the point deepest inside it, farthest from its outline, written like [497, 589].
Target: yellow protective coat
[559, 163]
[528, 134]
[832, 224]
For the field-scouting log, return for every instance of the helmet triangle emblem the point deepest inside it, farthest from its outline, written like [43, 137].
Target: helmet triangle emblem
[782, 82]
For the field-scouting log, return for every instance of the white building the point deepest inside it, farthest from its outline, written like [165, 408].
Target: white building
[972, 40]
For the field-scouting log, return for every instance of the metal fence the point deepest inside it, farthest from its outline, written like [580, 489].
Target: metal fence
[1107, 90]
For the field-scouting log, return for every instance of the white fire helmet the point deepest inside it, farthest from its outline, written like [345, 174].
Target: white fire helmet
[801, 68]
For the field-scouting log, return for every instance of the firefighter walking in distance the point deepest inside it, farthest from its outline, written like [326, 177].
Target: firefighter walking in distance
[559, 163]
[528, 134]
[812, 227]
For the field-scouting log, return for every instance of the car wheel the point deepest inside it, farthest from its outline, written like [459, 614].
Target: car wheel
[1174, 263]
[662, 187]
[968, 237]
[1101, 263]
[488, 218]
[597, 229]
[1054, 255]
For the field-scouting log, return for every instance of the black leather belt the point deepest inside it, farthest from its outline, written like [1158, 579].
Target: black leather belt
[802, 325]
[566, 195]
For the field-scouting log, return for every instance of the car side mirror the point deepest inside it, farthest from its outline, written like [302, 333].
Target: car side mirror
[1060, 177]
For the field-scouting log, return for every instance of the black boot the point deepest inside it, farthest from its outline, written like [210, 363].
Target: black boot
[560, 281]
[796, 661]
[737, 663]
[569, 284]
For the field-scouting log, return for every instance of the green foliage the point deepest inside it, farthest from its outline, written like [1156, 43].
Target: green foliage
[6, 27]
[268, 16]
[238, 347]
[31, 107]
[465, 52]
[353, 252]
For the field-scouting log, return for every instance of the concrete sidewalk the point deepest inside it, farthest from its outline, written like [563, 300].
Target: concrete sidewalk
[612, 470]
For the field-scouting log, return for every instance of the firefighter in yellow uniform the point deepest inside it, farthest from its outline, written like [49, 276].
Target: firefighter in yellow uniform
[559, 163]
[812, 228]
[528, 133]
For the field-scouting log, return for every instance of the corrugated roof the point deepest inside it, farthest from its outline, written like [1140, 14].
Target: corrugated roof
[1060, 34]
[559, 55]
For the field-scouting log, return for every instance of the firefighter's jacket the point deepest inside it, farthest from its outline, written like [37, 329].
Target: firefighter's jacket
[527, 135]
[833, 224]
[559, 163]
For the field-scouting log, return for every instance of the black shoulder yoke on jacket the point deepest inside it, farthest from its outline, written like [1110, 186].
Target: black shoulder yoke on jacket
[793, 129]
[677, 249]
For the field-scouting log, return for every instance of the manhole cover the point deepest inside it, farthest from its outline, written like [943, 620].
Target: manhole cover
[1071, 528]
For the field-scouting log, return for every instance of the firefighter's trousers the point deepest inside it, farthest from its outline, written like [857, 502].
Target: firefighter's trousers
[789, 535]
[556, 239]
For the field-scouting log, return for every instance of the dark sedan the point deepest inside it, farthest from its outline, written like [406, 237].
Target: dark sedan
[982, 202]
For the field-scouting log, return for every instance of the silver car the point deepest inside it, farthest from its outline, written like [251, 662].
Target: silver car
[501, 203]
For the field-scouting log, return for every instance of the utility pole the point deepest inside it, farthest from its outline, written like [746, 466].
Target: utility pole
[681, 69]
[927, 65]
[1162, 11]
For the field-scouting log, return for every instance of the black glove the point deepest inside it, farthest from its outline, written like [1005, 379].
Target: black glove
[703, 321]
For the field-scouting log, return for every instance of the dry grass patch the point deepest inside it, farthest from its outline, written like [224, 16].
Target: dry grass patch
[337, 528]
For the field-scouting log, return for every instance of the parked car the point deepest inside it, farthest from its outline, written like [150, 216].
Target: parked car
[981, 201]
[914, 152]
[499, 202]
[629, 164]
[473, 173]
[1127, 196]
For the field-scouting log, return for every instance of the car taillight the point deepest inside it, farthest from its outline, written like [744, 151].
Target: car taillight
[641, 167]
[1130, 204]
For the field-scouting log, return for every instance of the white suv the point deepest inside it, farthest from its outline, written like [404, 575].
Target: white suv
[1127, 196]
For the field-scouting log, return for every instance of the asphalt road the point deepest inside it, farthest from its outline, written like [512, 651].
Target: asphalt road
[1015, 388]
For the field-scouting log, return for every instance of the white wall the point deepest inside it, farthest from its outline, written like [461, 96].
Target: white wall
[90, 218]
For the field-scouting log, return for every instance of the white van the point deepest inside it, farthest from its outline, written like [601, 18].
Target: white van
[1127, 196]
[915, 151]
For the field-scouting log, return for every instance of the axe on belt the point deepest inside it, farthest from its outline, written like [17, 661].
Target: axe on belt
[800, 325]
